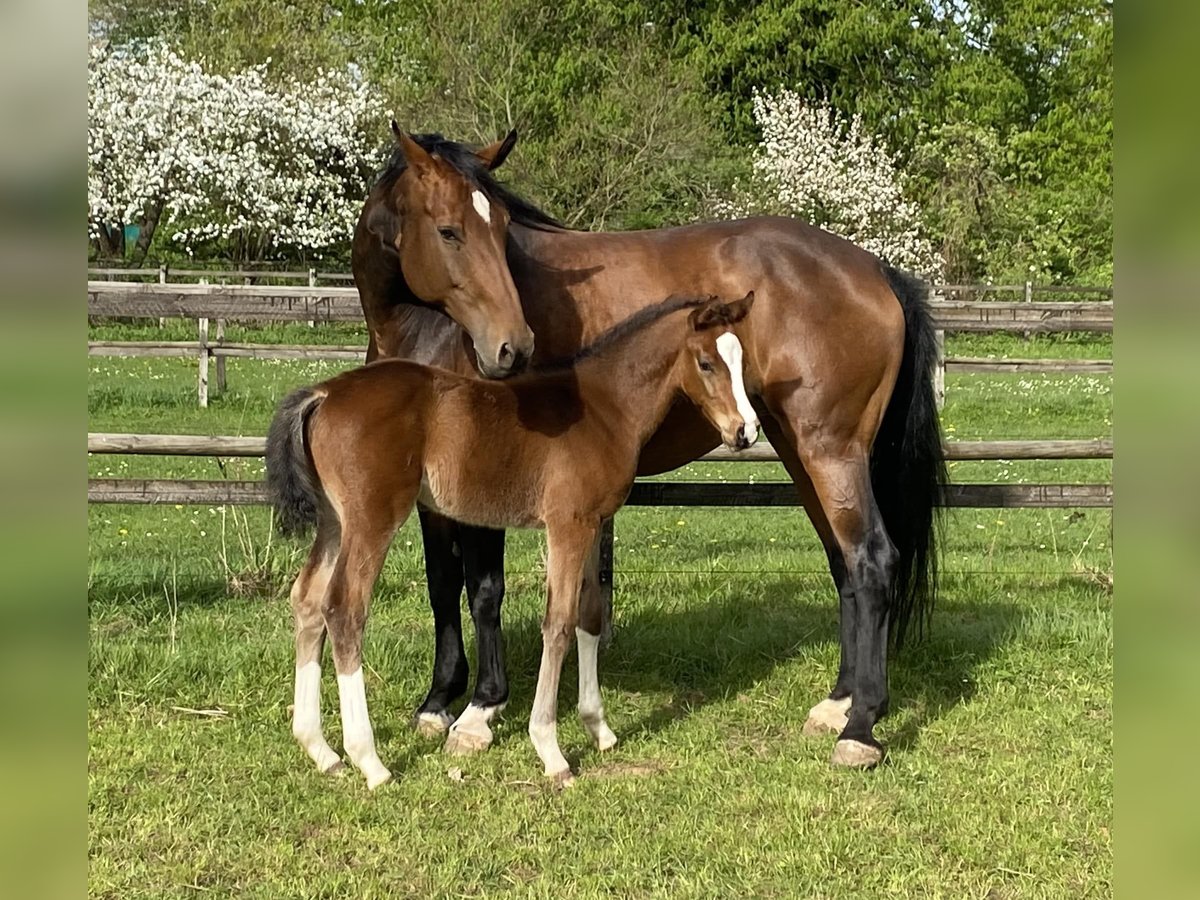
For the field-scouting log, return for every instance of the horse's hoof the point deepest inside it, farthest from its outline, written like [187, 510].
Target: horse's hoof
[564, 779]
[827, 717]
[337, 767]
[460, 742]
[606, 741]
[853, 754]
[433, 725]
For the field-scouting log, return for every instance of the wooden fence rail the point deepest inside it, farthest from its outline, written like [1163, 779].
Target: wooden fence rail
[239, 446]
[313, 303]
[645, 493]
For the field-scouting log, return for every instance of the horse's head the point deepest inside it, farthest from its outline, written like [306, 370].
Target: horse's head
[450, 238]
[712, 370]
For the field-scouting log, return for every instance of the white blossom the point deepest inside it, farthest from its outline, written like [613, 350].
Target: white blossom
[835, 174]
[226, 155]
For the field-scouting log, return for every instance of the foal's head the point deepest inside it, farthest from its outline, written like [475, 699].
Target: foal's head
[450, 237]
[712, 370]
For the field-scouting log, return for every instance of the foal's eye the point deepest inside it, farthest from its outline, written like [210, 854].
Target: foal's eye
[705, 366]
[448, 234]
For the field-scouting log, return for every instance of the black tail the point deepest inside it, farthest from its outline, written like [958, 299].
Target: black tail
[291, 482]
[908, 467]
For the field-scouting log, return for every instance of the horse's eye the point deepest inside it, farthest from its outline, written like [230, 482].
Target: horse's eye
[705, 366]
[448, 234]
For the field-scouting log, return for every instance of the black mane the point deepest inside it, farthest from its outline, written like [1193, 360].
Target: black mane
[464, 161]
[623, 329]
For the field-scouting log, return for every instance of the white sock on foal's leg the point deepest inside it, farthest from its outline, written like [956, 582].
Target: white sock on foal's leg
[357, 737]
[306, 717]
[591, 709]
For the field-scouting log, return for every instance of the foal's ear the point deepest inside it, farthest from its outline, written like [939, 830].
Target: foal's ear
[707, 316]
[494, 154]
[415, 155]
[738, 309]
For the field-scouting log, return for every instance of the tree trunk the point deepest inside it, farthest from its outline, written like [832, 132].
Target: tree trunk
[148, 225]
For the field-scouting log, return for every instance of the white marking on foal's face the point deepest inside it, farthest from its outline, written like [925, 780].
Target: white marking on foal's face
[730, 349]
[482, 206]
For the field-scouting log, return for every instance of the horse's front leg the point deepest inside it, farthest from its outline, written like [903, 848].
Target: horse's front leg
[444, 575]
[569, 544]
[483, 563]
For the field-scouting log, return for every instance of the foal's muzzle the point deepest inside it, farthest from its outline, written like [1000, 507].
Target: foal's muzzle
[746, 434]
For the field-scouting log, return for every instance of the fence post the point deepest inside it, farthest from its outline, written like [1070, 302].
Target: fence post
[162, 279]
[312, 283]
[202, 383]
[606, 581]
[939, 371]
[1028, 299]
[220, 359]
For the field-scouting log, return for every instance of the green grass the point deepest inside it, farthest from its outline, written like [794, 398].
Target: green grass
[999, 778]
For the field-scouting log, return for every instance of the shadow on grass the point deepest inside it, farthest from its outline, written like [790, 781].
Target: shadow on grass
[708, 651]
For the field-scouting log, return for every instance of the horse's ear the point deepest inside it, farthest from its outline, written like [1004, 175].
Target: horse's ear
[385, 225]
[738, 309]
[704, 317]
[415, 155]
[495, 153]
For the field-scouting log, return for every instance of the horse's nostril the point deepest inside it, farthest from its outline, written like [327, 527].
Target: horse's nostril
[741, 436]
[505, 357]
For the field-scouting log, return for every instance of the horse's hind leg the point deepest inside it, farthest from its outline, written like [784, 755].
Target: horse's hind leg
[308, 594]
[843, 485]
[569, 546]
[483, 563]
[831, 714]
[592, 616]
[364, 546]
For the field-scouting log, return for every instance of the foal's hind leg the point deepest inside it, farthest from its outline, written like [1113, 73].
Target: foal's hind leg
[363, 549]
[591, 625]
[308, 594]
[831, 714]
[569, 545]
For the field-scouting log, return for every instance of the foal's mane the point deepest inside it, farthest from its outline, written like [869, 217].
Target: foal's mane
[464, 161]
[625, 328]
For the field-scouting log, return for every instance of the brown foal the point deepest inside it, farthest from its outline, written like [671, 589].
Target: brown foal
[554, 449]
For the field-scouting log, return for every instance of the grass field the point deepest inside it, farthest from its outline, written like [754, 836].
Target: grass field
[999, 778]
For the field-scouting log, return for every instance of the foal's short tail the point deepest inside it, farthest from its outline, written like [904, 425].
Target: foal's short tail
[291, 479]
[908, 468]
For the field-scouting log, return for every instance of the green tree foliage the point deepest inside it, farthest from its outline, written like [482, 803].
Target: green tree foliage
[638, 113]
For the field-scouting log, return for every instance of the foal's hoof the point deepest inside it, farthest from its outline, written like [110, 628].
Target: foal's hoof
[337, 767]
[827, 717]
[433, 725]
[564, 779]
[460, 742]
[856, 755]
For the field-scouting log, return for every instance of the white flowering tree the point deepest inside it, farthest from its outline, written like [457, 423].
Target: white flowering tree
[813, 164]
[223, 159]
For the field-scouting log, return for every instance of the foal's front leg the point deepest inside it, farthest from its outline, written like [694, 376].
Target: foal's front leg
[569, 546]
[345, 613]
[592, 619]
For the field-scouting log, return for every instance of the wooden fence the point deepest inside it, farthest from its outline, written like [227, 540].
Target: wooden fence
[312, 302]
[215, 304]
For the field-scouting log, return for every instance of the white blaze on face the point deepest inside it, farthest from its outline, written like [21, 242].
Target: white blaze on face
[730, 349]
[482, 206]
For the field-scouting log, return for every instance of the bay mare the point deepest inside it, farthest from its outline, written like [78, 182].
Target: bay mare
[839, 363]
[555, 450]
